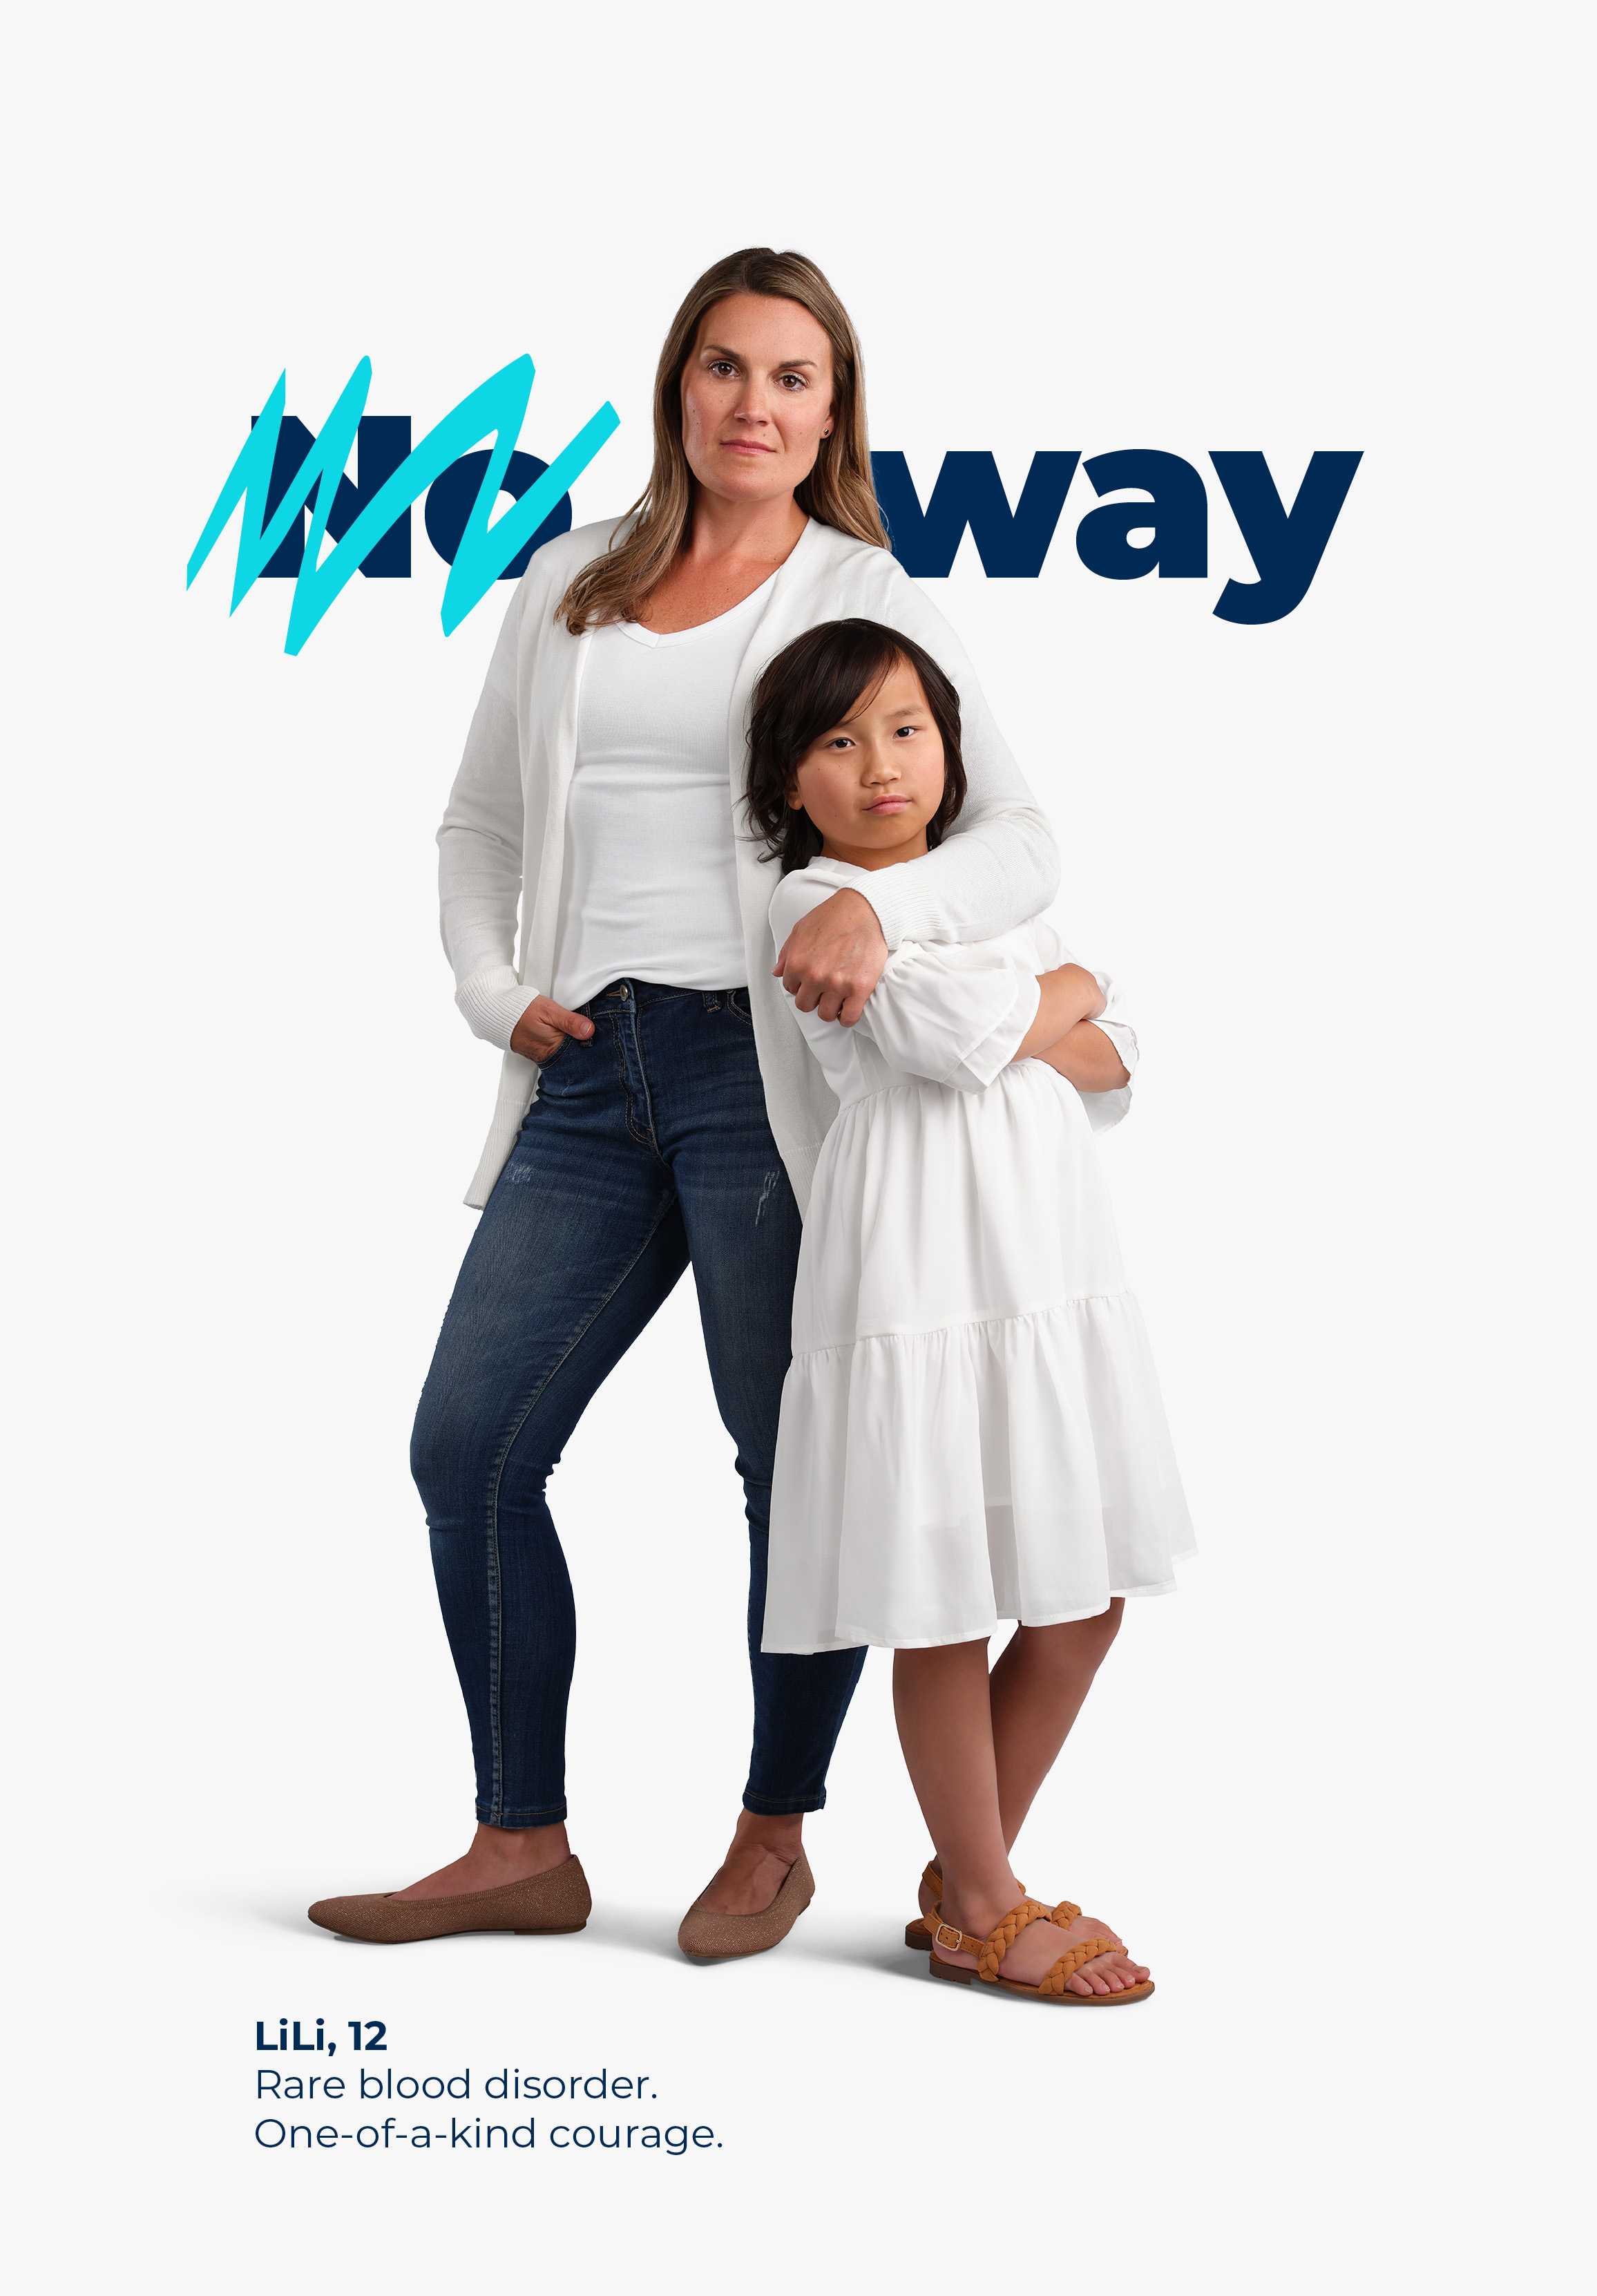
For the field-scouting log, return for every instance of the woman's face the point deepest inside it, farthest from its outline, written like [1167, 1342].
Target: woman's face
[755, 397]
[871, 784]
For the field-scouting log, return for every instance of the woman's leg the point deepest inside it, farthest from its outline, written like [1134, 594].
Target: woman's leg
[743, 1228]
[579, 1242]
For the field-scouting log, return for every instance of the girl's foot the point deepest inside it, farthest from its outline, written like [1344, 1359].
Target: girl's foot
[1038, 1947]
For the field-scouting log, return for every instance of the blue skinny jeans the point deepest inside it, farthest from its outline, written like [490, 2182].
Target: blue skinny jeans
[646, 1150]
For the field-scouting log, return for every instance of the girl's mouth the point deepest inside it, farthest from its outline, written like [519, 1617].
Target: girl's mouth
[888, 805]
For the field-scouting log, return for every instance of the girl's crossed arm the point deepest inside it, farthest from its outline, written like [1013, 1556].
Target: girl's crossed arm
[959, 1013]
[1069, 1000]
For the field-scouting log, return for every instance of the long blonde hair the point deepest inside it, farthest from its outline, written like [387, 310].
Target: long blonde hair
[838, 490]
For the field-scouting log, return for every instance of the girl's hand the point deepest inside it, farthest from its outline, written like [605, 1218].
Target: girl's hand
[544, 1027]
[1069, 993]
[1087, 1058]
[832, 959]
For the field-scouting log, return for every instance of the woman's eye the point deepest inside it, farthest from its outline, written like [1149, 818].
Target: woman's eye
[721, 366]
[798, 379]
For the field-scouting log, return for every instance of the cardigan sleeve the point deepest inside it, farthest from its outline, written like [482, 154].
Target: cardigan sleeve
[998, 866]
[479, 848]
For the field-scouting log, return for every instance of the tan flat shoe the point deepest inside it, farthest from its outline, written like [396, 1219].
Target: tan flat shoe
[546, 1905]
[1051, 1987]
[707, 1934]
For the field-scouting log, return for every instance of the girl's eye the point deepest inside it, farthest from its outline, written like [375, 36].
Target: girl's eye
[839, 741]
[907, 729]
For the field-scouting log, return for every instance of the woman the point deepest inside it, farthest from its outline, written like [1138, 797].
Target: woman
[656, 1108]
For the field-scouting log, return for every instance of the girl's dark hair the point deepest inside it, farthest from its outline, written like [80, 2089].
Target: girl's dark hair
[811, 686]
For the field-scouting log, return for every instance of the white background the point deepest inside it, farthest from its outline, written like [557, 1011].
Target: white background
[1326, 1789]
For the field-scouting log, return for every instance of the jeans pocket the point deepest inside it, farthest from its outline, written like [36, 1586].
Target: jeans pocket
[540, 1087]
[737, 1001]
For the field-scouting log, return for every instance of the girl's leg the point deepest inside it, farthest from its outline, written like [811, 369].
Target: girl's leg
[1034, 1693]
[943, 1703]
[1038, 1688]
[943, 1707]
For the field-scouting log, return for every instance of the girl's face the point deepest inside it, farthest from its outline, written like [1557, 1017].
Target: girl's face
[756, 396]
[871, 784]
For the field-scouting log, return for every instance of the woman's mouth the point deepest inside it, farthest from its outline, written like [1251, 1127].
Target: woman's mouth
[746, 447]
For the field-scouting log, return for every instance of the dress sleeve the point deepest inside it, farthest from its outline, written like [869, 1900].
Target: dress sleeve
[949, 1011]
[952, 1011]
[1105, 1109]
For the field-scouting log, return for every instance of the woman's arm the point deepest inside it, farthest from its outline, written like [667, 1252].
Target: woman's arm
[479, 855]
[479, 850]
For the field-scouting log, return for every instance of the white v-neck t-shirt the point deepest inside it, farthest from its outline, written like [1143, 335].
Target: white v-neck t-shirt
[650, 890]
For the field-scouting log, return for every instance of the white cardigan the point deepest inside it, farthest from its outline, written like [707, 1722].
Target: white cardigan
[502, 840]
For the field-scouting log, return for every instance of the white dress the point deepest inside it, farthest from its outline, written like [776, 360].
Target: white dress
[972, 1427]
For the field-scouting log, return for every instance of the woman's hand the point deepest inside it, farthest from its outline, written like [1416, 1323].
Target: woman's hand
[542, 1028]
[832, 959]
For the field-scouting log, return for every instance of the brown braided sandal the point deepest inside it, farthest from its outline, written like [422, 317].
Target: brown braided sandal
[989, 1952]
[917, 1934]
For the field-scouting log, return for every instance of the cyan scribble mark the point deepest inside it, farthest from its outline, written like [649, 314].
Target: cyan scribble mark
[498, 405]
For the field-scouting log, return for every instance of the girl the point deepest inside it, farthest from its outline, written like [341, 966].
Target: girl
[971, 1423]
